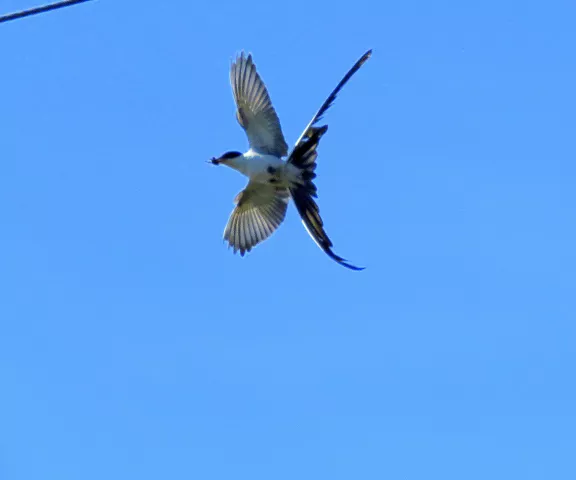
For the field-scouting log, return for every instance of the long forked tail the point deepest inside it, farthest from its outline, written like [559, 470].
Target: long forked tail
[328, 102]
[304, 157]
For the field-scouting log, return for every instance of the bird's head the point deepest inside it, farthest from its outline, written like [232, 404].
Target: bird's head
[226, 157]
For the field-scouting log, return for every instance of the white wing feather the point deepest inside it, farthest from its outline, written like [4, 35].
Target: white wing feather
[260, 209]
[255, 112]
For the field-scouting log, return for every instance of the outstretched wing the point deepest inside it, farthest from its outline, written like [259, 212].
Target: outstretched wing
[255, 112]
[260, 209]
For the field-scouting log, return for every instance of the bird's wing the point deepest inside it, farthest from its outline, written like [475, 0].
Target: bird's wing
[255, 112]
[260, 209]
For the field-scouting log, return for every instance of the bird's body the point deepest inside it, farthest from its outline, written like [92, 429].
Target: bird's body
[261, 206]
[264, 168]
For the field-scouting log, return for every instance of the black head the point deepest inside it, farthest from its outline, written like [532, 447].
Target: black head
[226, 156]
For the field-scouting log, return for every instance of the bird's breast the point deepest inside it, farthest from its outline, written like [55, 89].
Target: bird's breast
[257, 167]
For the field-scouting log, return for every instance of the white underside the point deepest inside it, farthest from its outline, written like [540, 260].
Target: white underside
[256, 167]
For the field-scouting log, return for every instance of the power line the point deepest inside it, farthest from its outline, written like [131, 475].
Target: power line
[42, 9]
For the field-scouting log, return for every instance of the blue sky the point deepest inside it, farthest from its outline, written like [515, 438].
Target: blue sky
[133, 344]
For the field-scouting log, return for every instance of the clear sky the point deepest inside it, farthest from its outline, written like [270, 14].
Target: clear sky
[134, 344]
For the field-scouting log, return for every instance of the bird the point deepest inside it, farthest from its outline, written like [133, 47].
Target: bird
[261, 207]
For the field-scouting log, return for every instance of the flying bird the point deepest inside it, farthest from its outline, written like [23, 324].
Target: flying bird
[261, 206]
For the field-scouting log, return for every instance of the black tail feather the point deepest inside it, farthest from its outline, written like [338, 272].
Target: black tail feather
[328, 103]
[310, 214]
[304, 157]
